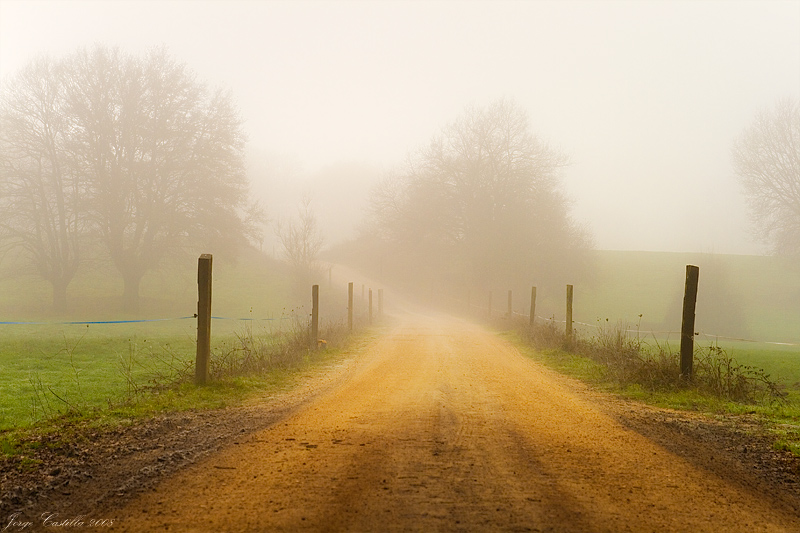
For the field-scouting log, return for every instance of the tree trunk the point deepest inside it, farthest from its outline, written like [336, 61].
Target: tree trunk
[130, 295]
[60, 295]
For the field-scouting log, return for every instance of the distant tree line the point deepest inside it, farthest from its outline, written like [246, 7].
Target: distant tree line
[127, 154]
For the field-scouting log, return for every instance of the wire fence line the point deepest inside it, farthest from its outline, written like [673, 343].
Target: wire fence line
[707, 336]
[41, 360]
[134, 321]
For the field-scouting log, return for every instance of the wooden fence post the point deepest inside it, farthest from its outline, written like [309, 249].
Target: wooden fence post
[314, 316]
[569, 313]
[350, 306]
[533, 305]
[510, 311]
[687, 324]
[370, 307]
[204, 264]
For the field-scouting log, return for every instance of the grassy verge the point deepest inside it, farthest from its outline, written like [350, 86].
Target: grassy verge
[725, 385]
[46, 371]
[244, 367]
[50, 370]
[22, 441]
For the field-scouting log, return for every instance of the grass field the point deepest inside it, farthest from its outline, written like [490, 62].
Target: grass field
[47, 370]
[52, 367]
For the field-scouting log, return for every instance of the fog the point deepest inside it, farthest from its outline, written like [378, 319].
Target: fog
[646, 97]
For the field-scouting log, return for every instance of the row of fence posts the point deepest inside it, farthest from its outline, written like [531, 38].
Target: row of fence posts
[204, 316]
[532, 315]
[204, 268]
[687, 319]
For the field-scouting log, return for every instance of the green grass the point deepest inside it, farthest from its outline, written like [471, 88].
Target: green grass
[782, 364]
[229, 392]
[54, 368]
[46, 371]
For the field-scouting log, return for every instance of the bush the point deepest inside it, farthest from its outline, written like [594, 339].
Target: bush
[283, 349]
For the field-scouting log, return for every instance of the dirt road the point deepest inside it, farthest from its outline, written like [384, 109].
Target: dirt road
[442, 426]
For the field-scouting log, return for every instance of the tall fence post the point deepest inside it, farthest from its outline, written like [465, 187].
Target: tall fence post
[687, 324]
[569, 313]
[314, 317]
[370, 307]
[204, 264]
[350, 306]
[533, 305]
[510, 311]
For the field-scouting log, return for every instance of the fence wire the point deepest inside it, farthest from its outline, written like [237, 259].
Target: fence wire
[707, 336]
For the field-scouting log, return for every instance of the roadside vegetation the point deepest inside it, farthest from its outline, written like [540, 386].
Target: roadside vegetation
[624, 358]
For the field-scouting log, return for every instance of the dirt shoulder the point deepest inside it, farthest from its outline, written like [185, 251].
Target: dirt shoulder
[437, 425]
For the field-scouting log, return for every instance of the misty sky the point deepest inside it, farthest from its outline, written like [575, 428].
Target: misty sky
[646, 96]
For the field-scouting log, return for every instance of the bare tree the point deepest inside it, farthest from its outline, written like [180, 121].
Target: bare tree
[302, 240]
[41, 211]
[163, 159]
[766, 159]
[132, 149]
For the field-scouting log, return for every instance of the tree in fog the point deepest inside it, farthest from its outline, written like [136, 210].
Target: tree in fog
[135, 149]
[766, 159]
[163, 158]
[481, 203]
[302, 241]
[41, 210]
